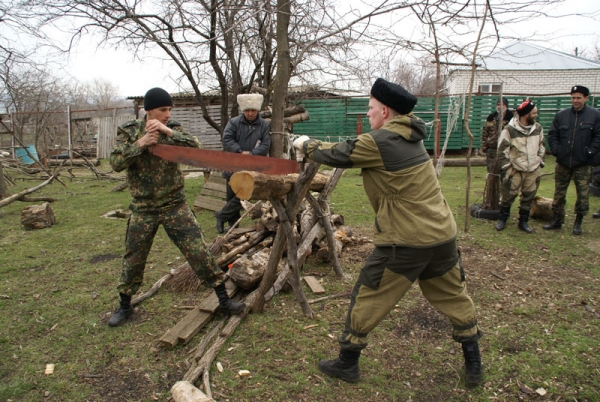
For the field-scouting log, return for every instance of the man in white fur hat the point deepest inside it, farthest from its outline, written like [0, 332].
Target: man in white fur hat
[247, 133]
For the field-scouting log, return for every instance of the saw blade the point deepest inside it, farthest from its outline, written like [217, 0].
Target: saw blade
[224, 161]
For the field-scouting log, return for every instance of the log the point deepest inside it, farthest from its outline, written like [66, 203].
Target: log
[13, 198]
[258, 186]
[256, 238]
[463, 162]
[184, 391]
[247, 271]
[297, 118]
[37, 216]
[77, 162]
[541, 208]
[254, 210]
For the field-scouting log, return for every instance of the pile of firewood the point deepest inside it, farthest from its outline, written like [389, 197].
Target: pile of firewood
[244, 252]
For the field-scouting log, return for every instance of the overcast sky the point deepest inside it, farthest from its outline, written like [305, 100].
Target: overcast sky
[133, 78]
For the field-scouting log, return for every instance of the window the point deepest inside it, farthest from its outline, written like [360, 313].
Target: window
[490, 88]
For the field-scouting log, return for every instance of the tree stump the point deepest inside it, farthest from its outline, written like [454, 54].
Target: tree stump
[37, 216]
[541, 208]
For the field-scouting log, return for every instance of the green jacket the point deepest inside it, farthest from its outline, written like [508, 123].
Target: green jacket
[399, 179]
[154, 183]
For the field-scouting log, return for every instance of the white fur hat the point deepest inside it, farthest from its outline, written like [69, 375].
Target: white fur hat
[250, 101]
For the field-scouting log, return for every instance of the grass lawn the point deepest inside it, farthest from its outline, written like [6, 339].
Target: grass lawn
[537, 297]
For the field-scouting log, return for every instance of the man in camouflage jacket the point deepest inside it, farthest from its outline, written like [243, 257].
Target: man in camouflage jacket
[490, 132]
[520, 158]
[157, 188]
[415, 231]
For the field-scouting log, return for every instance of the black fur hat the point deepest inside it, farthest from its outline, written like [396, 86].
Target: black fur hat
[524, 108]
[393, 96]
[580, 89]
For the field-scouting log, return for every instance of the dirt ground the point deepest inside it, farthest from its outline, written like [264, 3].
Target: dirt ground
[499, 281]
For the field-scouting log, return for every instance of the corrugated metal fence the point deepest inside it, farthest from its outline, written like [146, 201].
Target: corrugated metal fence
[337, 119]
[107, 133]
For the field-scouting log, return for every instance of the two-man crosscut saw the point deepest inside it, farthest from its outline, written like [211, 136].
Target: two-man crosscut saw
[224, 161]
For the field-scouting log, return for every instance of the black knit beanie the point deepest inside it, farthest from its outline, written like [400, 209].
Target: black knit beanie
[394, 96]
[157, 97]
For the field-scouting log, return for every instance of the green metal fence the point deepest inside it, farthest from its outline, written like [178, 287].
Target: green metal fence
[337, 119]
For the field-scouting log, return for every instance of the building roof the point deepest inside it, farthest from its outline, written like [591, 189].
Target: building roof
[527, 56]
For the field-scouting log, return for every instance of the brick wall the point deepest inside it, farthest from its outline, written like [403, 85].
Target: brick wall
[534, 82]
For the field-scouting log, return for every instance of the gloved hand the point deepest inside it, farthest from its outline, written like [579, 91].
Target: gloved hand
[299, 145]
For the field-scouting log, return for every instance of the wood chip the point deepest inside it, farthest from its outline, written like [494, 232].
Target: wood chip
[49, 369]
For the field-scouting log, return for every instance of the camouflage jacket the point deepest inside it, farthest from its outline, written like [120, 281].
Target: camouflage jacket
[399, 180]
[154, 183]
[490, 134]
[521, 148]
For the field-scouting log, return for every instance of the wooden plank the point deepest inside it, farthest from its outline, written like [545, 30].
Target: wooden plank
[211, 204]
[213, 193]
[171, 338]
[194, 326]
[215, 185]
[314, 285]
[195, 320]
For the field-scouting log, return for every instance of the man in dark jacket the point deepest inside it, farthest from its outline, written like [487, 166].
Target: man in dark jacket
[247, 133]
[157, 188]
[415, 230]
[574, 139]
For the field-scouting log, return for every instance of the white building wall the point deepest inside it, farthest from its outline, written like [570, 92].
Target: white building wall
[532, 82]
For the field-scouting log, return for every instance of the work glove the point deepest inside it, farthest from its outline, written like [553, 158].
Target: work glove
[299, 145]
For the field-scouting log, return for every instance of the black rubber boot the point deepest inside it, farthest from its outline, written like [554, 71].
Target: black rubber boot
[473, 370]
[502, 218]
[344, 367]
[220, 224]
[231, 306]
[556, 223]
[523, 219]
[124, 311]
[577, 225]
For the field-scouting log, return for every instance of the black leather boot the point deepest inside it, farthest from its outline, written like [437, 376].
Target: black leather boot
[220, 224]
[523, 219]
[231, 306]
[502, 218]
[577, 225]
[473, 369]
[124, 311]
[556, 223]
[344, 367]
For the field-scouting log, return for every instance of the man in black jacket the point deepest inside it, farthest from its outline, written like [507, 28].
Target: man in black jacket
[248, 134]
[574, 139]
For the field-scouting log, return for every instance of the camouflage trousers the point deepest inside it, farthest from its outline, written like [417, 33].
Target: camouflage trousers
[562, 177]
[526, 183]
[183, 230]
[389, 273]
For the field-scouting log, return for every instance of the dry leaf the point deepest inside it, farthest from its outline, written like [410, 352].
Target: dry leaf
[219, 367]
[541, 391]
[243, 373]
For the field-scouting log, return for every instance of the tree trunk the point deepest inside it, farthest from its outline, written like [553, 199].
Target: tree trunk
[282, 77]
